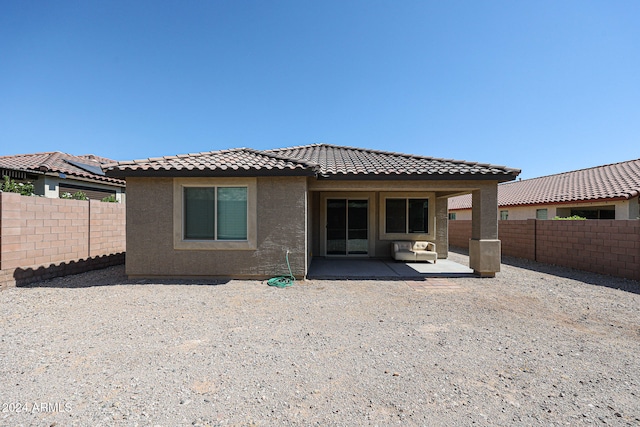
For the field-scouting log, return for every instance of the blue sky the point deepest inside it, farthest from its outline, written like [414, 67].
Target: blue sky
[544, 86]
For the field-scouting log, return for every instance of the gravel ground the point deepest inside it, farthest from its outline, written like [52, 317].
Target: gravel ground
[537, 345]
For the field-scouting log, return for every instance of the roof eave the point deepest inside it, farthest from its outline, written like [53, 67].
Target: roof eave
[23, 170]
[417, 177]
[99, 179]
[569, 202]
[213, 173]
[104, 180]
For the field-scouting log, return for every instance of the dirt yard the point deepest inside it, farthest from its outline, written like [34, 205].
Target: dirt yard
[536, 345]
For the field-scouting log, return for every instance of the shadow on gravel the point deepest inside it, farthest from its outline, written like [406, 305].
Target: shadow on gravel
[568, 273]
[113, 276]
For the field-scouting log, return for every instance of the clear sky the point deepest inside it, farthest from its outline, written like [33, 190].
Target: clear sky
[546, 86]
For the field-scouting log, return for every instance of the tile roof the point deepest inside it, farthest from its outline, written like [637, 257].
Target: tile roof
[85, 166]
[324, 160]
[337, 160]
[614, 181]
[238, 161]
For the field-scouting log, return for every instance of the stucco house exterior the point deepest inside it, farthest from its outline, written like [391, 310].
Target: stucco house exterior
[603, 192]
[55, 173]
[237, 213]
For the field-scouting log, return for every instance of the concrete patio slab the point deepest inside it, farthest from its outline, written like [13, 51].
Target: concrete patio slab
[443, 266]
[335, 268]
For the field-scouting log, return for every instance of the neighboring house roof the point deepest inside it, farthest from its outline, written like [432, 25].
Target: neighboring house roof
[322, 160]
[86, 166]
[607, 182]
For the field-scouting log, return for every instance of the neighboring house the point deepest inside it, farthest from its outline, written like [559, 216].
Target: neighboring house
[53, 174]
[603, 192]
[237, 213]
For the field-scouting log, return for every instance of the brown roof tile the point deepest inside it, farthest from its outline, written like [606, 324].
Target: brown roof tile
[614, 181]
[225, 162]
[345, 161]
[318, 159]
[85, 166]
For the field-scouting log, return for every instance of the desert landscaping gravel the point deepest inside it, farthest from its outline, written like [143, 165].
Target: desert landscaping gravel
[537, 345]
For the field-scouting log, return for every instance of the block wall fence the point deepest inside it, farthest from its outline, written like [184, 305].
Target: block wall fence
[601, 246]
[42, 238]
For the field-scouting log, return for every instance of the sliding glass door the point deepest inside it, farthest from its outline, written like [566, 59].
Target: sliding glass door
[347, 227]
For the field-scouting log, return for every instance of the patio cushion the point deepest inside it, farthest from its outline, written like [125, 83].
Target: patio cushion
[402, 246]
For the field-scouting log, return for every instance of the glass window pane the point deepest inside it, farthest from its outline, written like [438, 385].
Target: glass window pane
[396, 216]
[199, 204]
[336, 227]
[419, 216]
[358, 233]
[232, 213]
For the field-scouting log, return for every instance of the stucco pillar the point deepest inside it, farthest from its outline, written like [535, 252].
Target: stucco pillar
[442, 227]
[484, 246]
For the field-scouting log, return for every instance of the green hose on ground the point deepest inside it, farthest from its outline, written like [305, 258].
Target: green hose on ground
[283, 281]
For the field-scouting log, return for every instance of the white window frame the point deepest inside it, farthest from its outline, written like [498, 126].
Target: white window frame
[430, 196]
[180, 243]
[542, 213]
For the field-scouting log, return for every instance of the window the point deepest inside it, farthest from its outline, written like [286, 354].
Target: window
[92, 193]
[407, 216]
[452, 216]
[504, 215]
[595, 213]
[215, 213]
[541, 214]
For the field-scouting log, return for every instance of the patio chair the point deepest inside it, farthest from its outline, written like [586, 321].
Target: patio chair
[414, 251]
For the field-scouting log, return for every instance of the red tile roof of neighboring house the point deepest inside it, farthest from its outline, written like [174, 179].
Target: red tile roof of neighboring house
[608, 182]
[323, 160]
[86, 166]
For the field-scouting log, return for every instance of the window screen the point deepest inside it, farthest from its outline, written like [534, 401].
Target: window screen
[212, 213]
[199, 207]
[232, 213]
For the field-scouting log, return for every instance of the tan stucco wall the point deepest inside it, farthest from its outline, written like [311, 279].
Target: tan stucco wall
[314, 224]
[281, 225]
[288, 216]
[442, 227]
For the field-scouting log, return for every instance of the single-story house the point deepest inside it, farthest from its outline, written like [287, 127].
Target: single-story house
[237, 213]
[56, 173]
[602, 192]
